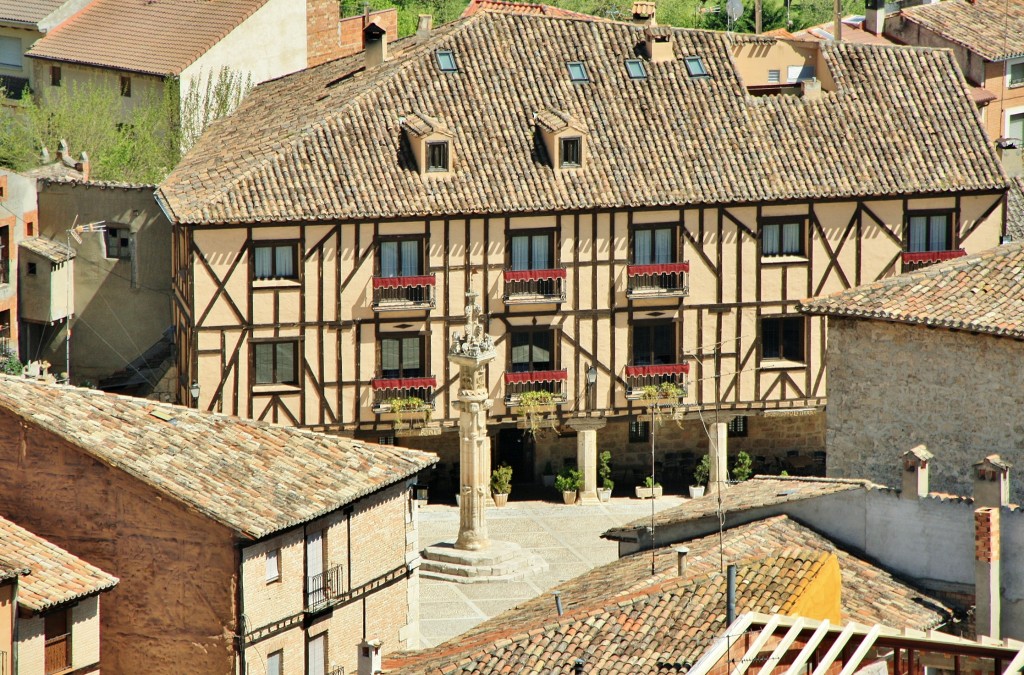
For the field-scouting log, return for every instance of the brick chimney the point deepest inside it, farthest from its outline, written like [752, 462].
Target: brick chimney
[658, 42]
[915, 472]
[369, 657]
[375, 40]
[986, 571]
[992, 482]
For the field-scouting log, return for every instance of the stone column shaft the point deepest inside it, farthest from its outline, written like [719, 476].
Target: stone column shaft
[586, 455]
[718, 448]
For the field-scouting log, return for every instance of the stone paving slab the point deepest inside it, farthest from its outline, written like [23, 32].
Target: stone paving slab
[567, 537]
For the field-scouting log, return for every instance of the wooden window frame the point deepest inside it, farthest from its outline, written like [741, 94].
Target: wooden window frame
[428, 150]
[738, 427]
[784, 357]
[49, 639]
[381, 238]
[272, 244]
[781, 221]
[277, 563]
[126, 249]
[56, 76]
[672, 227]
[563, 162]
[951, 243]
[639, 430]
[652, 323]
[552, 235]
[531, 330]
[424, 352]
[296, 369]
[280, 654]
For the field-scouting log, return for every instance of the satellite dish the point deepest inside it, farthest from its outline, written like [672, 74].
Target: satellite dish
[734, 8]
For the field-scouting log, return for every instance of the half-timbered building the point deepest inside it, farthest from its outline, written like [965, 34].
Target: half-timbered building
[633, 203]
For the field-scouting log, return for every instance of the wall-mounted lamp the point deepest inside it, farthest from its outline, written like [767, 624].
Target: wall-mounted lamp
[194, 390]
[592, 376]
[592, 387]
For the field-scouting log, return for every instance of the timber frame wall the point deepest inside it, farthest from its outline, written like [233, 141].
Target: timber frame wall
[220, 309]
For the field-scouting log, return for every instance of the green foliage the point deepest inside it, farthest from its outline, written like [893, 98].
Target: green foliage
[9, 363]
[401, 407]
[604, 470]
[531, 408]
[703, 471]
[784, 473]
[501, 480]
[212, 96]
[568, 480]
[743, 469]
[649, 482]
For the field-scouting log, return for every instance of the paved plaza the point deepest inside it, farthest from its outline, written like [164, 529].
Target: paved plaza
[567, 537]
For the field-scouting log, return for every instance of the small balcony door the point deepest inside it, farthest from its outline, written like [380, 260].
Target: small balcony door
[400, 258]
[315, 593]
[316, 655]
[654, 344]
[401, 356]
[653, 246]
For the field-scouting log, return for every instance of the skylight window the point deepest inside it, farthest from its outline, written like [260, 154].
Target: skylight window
[636, 69]
[446, 61]
[577, 72]
[695, 66]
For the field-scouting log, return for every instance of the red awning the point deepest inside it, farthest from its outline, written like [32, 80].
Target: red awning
[403, 282]
[404, 383]
[537, 376]
[534, 275]
[666, 268]
[666, 369]
[932, 256]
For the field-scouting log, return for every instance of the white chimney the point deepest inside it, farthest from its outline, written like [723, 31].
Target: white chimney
[375, 44]
[874, 16]
[369, 657]
[915, 472]
[681, 553]
[987, 605]
[424, 26]
[992, 482]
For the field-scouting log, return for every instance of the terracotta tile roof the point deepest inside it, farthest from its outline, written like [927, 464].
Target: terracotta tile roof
[853, 31]
[54, 251]
[623, 620]
[27, 11]
[507, 7]
[144, 37]
[993, 29]
[979, 293]
[253, 477]
[756, 492]
[1015, 209]
[54, 575]
[325, 143]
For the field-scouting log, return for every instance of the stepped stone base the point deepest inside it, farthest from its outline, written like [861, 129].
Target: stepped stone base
[502, 561]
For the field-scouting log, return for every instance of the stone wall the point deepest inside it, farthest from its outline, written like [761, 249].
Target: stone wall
[893, 386]
[174, 609]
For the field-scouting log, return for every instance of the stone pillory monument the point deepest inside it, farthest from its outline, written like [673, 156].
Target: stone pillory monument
[473, 557]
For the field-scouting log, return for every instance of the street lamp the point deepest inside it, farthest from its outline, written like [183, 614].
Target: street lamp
[194, 390]
[591, 386]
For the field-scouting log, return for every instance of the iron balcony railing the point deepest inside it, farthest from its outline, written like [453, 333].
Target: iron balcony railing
[658, 281]
[322, 588]
[639, 377]
[553, 381]
[388, 390]
[534, 286]
[340, 670]
[919, 259]
[391, 294]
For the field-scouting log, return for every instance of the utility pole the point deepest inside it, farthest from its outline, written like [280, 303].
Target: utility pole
[838, 32]
[757, 16]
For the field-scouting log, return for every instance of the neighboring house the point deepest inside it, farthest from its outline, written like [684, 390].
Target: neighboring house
[511, 7]
[239, 544]
[933, 538]
[19, 222]
[138, 47]
[987, 40]
[49, 607]
[933, 357]
[622, 618]
[22, 22]
[620, 196]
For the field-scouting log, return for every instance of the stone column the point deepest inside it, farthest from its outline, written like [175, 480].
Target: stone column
[471, 352]
[586, 455]
[718, 448]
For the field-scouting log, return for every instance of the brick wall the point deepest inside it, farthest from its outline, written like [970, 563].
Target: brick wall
[85, 632]
[330, 37]
[893, 386]
[31, 645]
[174, 608]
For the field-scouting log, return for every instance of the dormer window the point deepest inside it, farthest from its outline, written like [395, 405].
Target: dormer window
[431, 144]
[564, 138]
[446, 61]
[577, 72]
[695, 66]
[437, 156]
[636, 69]
[572, 153]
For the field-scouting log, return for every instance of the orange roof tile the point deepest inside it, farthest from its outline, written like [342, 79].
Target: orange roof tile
[993, 29]
[508, 7]
[159, 37]
[28, 11]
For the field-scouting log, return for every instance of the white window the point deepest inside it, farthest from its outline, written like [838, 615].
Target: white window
[10, 52]
[274, 261]
[1015, 126]
[781, 238]
[1015, 73]
[799, 73]
[928, 232]
[316, 655]
[275, 662]
[273, 565]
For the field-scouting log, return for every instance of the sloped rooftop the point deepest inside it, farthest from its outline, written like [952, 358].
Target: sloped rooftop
[253, 477]
[993, 29]
[27, 11]
[327, 143]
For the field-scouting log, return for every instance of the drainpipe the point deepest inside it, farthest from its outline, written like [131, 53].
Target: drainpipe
[730, 612]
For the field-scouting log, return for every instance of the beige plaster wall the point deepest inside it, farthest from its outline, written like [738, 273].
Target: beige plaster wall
[146, 89]
[28, 37]
[894, 386]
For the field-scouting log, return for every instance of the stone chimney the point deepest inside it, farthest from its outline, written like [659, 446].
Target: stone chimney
[659, 44]
[986, 572]
[811, 89]
[874, 16]
[376, 40]
[1009, 151]
[915, 472]
[681, 553]
[644, 13]
[83, 165]
[424, 26]
[992, 482]
[369, 657]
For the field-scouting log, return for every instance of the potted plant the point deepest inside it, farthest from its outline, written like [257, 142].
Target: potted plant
[743, 469]
[501, 484]
[700, 477]
[664, 395]
[547, 479]
[604, 472]
[649, 489]
[404, 408]
[532, 406]
[568, 482]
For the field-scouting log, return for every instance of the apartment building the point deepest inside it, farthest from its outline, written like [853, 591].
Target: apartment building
[633, 204]
[21, 25]
[240, 546]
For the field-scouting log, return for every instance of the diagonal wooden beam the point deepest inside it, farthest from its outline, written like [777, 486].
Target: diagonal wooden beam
[780, 649]
[700, 251]
[221, 285]
[759, 642]
[885, 228]
[837, 647]
[797, 667]
[853, 663]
